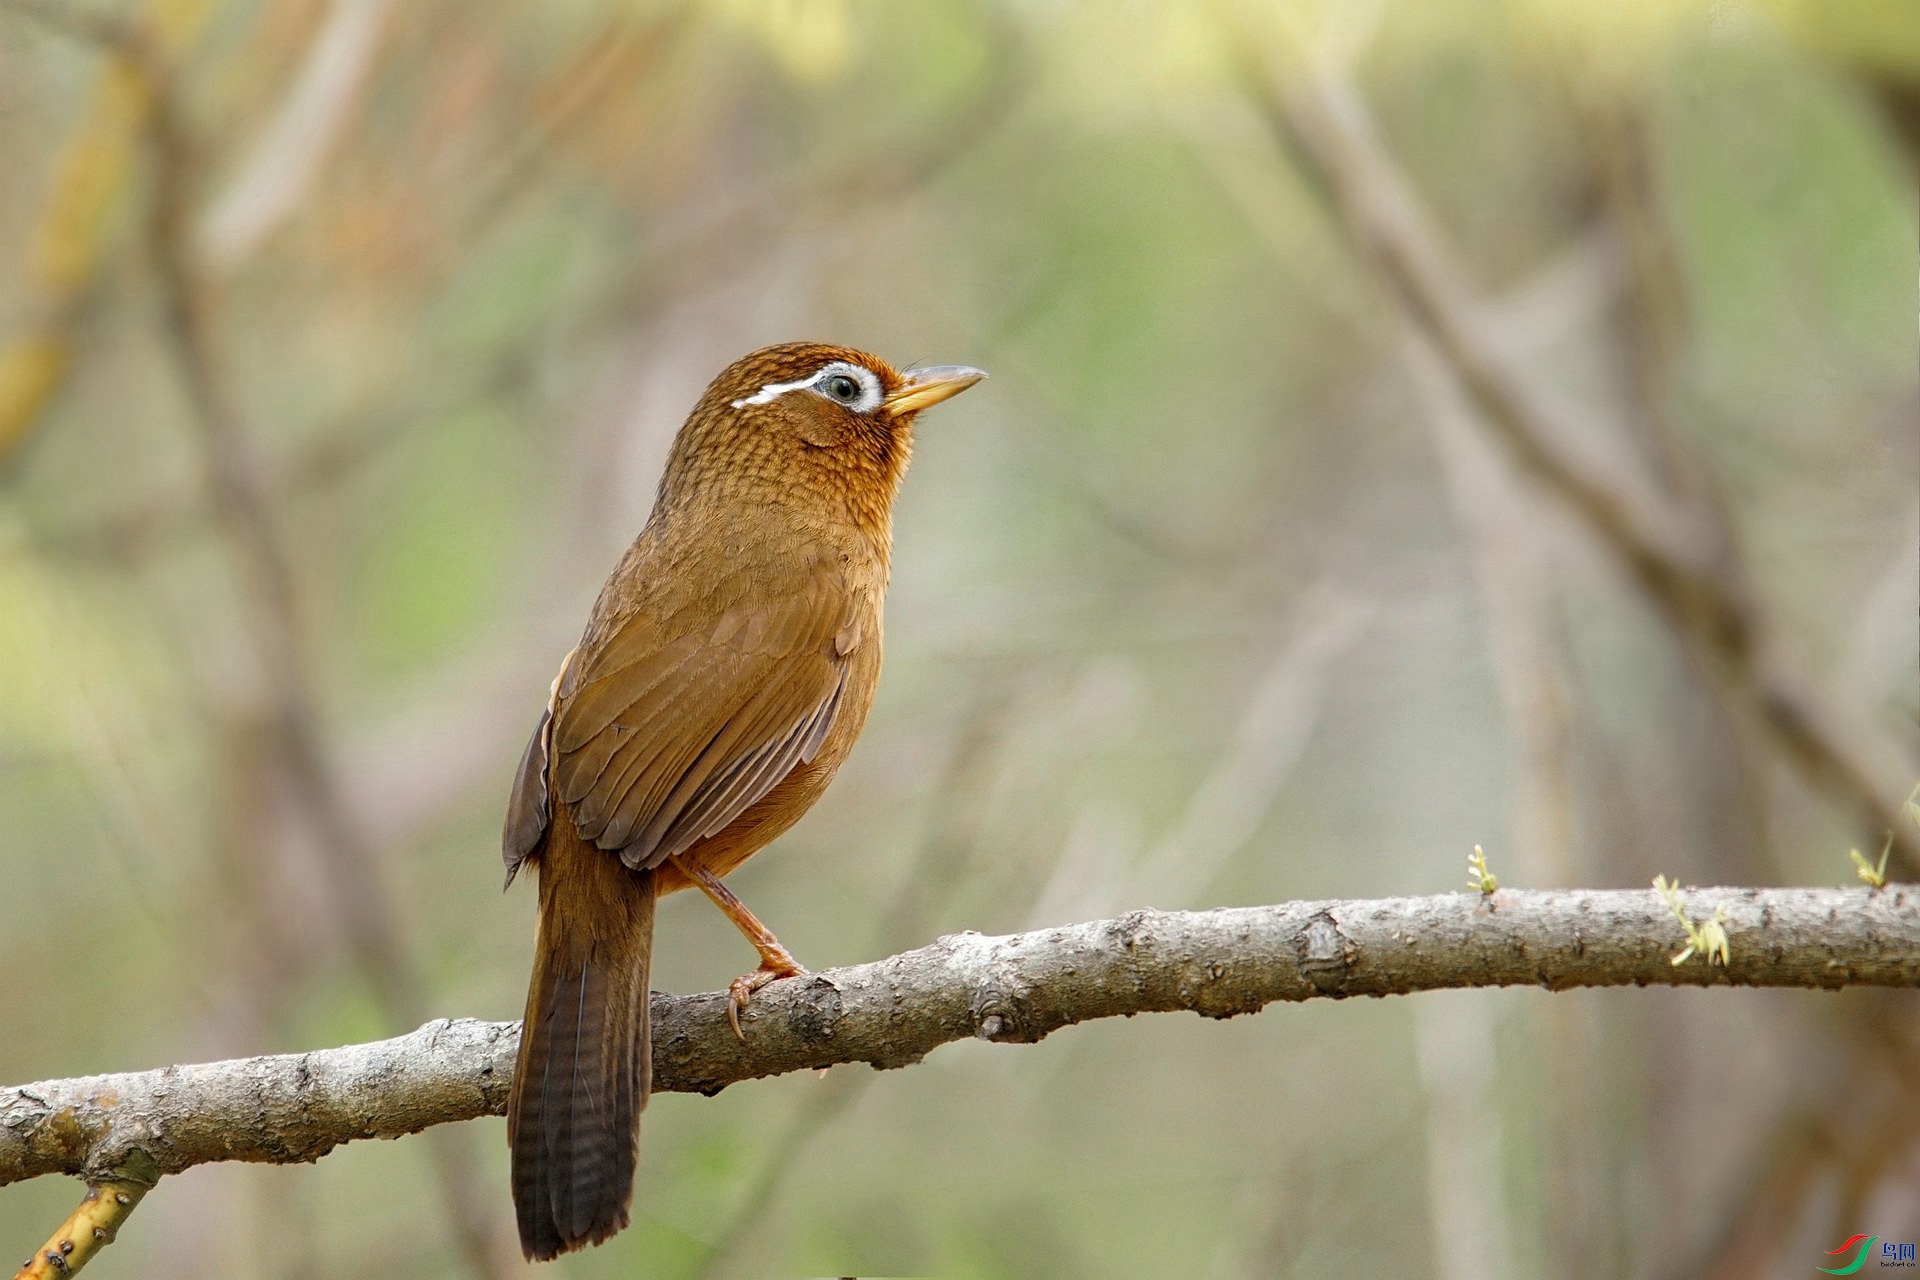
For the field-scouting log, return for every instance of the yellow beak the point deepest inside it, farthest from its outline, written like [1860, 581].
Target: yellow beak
[924, 388]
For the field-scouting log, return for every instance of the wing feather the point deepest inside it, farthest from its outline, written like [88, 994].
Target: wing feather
[731, 794]
[673, 721]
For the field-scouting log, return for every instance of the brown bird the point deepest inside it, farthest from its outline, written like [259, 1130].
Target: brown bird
[725, 671]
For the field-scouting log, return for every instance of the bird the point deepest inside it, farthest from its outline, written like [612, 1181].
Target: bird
[725, 670]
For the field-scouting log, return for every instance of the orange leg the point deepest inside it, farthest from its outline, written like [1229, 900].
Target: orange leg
[775, 962]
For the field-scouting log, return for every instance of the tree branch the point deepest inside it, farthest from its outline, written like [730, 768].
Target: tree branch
[87, 1230]
[891, 1013]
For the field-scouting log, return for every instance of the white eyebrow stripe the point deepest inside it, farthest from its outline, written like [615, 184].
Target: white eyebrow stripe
[774, 390]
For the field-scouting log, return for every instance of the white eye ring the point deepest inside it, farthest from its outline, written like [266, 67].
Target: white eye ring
[845, 384]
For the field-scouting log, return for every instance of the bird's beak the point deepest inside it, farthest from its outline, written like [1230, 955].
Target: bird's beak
[926, 387]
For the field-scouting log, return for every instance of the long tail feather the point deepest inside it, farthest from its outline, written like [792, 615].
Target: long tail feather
[585, 1051]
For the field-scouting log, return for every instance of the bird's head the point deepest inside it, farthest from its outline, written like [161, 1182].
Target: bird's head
[808, 416]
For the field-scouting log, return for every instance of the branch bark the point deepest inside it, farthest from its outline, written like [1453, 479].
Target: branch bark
[891, 1013]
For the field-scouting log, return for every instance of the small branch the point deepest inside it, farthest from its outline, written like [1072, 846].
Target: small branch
[87, 1230]
[1016, 989]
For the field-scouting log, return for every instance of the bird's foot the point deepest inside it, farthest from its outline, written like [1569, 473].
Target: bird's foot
[775, 964]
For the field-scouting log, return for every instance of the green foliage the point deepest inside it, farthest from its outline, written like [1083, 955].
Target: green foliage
[1479, 878]
[1706, 939]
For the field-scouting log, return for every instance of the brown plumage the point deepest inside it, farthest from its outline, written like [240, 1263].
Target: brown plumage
[726, 669]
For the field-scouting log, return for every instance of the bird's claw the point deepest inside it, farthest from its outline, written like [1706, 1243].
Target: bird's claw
[740, 990]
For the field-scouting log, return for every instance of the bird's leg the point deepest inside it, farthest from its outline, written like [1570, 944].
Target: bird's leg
[775, 961]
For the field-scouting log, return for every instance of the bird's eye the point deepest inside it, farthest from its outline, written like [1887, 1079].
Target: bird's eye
[842, 388]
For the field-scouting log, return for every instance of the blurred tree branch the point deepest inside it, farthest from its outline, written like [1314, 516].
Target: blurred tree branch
[286, 158]
[273, 612]
[237, 493]
[1682, 555]
[294, 1108]
[69, 245]
[718, 241]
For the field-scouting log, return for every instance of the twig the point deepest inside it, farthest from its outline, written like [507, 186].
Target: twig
[1016, 989]
[87, 1230]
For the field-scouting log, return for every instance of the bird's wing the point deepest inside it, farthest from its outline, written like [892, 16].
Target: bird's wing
[527, 809]
[687, 712]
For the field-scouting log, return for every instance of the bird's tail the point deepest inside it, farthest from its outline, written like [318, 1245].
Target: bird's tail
[586, 1057]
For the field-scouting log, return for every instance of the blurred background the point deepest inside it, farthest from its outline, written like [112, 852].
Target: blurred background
[1413, 425]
